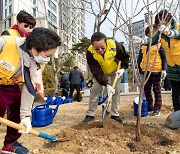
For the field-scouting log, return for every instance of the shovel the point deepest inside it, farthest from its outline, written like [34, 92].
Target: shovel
[33, 132]
[105, 113]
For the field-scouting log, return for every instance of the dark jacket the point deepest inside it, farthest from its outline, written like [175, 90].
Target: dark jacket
[95, 68]
[64, 83]
[76, 77]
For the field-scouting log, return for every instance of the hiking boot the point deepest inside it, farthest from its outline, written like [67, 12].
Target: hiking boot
[88, 118]
[117, 119]
[14, 148]
[156, 112]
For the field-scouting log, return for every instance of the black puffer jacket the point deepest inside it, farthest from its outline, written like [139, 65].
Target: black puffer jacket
[76, 76]
[64, 81]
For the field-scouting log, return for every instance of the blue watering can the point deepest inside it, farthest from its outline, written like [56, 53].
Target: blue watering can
[144, 109]
[43, 114]
[103, 96]
[68, 99]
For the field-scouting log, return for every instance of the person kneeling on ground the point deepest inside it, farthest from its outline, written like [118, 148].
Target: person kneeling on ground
[173, 120]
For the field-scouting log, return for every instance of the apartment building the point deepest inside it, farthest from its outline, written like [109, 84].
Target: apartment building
[138, 30]
[63, 16]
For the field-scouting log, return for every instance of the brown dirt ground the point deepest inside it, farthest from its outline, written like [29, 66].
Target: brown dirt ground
[107, 136]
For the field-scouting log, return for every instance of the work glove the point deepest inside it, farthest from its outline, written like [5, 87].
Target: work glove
[137, 39]
[163, 74]
[110, 90]
[120, 73]
[27, 123]
[166, 30]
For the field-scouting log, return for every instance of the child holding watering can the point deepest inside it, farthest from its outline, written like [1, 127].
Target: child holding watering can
[20, 78]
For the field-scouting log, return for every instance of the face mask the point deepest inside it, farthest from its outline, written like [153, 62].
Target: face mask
[41, 60]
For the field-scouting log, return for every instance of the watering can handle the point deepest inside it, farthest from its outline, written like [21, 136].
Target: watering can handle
[39, 106]
[55, 110]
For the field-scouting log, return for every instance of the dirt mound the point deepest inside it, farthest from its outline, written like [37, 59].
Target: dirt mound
[111, 137]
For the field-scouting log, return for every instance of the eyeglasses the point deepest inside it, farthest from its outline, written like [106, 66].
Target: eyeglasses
[26, 26]
[102, 48]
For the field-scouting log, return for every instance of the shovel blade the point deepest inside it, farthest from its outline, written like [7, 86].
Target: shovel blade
[105, 113]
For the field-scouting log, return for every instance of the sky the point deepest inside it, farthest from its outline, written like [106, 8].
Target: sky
[106, 27]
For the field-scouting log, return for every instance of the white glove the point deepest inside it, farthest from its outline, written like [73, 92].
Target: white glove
[27, 123]
[163, 74]
[165, 30]
[110, 90]
[137, 39]
[120, 73]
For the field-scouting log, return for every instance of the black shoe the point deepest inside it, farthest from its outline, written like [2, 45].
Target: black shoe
[150, 109]
[156, 112]
[88, 118]
[117, 119]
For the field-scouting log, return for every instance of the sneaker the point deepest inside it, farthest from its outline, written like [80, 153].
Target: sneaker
[150, 110]
[117, 119]
[88, 118]
[156, 112]
[14, 148]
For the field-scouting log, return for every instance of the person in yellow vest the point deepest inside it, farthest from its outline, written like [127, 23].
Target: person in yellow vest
[158, 56]
[20, 78]
[102, 57]
[25, 22]
[170, 41]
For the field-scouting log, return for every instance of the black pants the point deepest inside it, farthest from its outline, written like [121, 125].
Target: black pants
[167, 85]
[77, 87]
[175, 94]
[65, 92]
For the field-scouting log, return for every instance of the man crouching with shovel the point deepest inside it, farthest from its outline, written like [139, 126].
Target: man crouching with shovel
[103, 56]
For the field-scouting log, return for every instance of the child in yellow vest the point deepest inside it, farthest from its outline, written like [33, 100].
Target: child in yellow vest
[25, 22]
[158, 72]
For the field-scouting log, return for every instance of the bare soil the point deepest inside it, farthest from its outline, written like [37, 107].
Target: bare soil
[104, 136]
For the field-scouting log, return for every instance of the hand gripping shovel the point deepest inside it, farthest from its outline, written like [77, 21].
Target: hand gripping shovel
[105, 113]
[33, 132]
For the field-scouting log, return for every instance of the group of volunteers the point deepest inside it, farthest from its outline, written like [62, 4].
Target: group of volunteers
[23, 49]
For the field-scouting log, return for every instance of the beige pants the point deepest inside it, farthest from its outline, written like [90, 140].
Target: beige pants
[95, 92]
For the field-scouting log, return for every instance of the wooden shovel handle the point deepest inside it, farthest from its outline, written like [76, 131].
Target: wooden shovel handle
[114, 82]
[17, 126]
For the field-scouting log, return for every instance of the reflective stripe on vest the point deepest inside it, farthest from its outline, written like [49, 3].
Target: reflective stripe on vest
[14, 32]
[158, 62]
[107, 63]
[9, 60]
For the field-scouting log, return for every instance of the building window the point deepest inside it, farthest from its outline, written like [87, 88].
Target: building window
[73, 39]
[9, 22]
[52, 5]
[5, 15]
[10, 9]
[34, 1]
[52, 17]
[34, 12]
[52, 27]
[5, 2]
[73, 31]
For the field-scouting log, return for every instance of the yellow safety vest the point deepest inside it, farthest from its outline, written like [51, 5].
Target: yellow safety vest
[9, 60]
[107, 63]
[14, 32]
[158, 62]
[172, 52]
